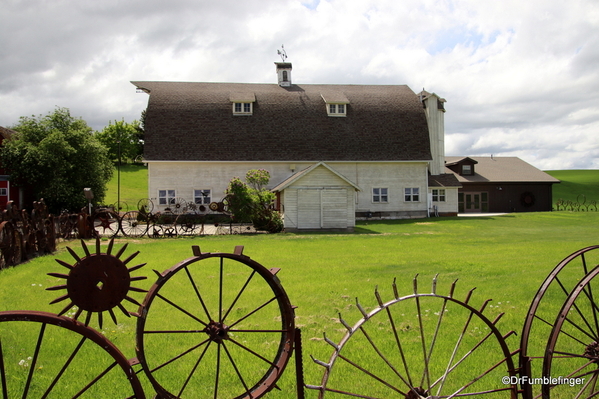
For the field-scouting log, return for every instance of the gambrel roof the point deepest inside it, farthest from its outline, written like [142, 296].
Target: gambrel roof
[195, 122]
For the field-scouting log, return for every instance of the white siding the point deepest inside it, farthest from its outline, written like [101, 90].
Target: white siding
[184, 177]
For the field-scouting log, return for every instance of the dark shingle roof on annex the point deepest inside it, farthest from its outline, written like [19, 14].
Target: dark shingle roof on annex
[195, 122]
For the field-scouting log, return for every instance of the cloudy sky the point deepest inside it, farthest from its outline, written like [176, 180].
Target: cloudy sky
[521, 78]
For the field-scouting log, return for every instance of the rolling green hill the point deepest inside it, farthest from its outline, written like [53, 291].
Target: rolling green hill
[575, 184]
[134, 185]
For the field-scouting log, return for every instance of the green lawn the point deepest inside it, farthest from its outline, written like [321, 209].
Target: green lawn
[505, 257]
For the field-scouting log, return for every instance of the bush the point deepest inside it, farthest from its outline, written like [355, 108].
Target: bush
[251, 202]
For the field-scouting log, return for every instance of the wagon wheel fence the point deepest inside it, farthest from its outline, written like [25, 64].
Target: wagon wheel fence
[581, 204]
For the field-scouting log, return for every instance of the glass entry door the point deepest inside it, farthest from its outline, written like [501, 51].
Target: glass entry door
[473, 202]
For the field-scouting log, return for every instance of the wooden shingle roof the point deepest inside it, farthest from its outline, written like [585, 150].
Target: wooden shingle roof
[195, 122]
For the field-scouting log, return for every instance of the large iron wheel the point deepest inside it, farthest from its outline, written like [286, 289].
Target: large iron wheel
[423, 345]
[45, 355]
[547, 304]
[105, 223]
[229, 331]
[570, 365]
[187, 224]
[134, 224]
[145, 205]
[163, 225]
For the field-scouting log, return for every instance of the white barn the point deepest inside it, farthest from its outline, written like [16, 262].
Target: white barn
[334, 152]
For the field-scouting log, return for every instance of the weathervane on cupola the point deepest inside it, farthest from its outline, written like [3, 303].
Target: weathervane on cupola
[283, 69]
[282, 53]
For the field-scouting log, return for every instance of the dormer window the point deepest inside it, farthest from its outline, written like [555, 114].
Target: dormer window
[242, 108]
[467, 170]
[336, 103]
[243, 103]
[336, 109]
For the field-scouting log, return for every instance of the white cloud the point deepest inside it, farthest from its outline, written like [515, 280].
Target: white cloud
[520, 78]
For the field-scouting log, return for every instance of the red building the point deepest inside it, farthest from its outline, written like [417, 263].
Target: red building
[9, 192]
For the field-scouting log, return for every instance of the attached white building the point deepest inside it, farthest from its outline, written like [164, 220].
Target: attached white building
[334, 152]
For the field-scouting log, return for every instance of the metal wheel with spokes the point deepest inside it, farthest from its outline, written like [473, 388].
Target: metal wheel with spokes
[229, 333]
[423, 345]
[45, 355]
[187, 224]
[570, 364]
[105, 223]
[145, 205]
[545, 307]
[134, 224]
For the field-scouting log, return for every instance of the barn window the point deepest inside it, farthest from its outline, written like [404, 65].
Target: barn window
[412, 194]
[379, 195]
[3, 192]
[438, 195]
[336, 109]
[242, 108]
[202, 197]
[166, 197]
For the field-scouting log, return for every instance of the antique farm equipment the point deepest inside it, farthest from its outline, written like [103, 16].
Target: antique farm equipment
[220, 325]
[423, 345]
[239, 311]
[558, 354]
[67, 357]
[565, 310]
[220, 315]
[24, 235]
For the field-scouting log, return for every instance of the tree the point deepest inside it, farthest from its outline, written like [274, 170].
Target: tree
[251, 201]
[58, 156]
[130, 136]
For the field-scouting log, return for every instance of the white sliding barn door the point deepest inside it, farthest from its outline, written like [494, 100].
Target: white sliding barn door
[322, 208]
[334, 208]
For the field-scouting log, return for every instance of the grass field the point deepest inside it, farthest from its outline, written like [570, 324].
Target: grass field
[505, 257]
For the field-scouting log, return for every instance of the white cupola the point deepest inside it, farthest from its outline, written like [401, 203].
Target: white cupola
[284, 73]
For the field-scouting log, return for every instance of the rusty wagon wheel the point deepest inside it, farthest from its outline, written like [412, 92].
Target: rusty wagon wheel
[570, 365]
[423, 345]
[45, 355]
[134, 224]
[105, 223]
[545, 307]
[162, 225]
[217, 325]
[145, 205]
[187, 224]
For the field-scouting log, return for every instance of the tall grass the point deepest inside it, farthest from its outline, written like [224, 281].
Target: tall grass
[505, 257]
